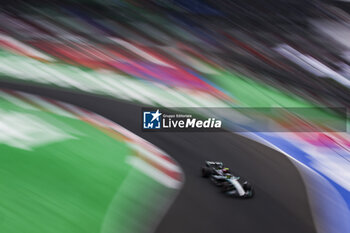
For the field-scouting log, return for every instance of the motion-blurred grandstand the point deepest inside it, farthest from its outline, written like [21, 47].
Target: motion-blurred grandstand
[297, 46]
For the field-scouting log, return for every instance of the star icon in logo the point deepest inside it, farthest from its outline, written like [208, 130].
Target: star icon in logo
[156, 115]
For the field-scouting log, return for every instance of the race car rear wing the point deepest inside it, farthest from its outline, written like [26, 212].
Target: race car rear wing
[214, 164]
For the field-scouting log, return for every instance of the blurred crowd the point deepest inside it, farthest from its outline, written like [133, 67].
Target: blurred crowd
[297, 46]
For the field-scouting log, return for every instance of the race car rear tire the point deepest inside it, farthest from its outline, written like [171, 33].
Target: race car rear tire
[206, 172]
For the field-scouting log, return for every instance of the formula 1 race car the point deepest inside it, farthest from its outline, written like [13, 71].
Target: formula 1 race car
[230, 184]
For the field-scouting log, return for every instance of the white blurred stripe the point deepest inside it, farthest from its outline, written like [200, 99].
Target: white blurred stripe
[8, 70]
[47, 105]
[153, 172]
[194, 63]
[16, 101]
[140, 52]
[58, 78]
[114, 88]
[128, 90]
[155, 158]
[25, 48]
[140, 88]
[187, 102]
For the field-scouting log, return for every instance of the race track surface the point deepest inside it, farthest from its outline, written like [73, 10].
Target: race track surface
[279, 206]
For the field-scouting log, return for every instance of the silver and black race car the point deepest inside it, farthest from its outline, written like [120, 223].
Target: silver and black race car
[230, 184]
